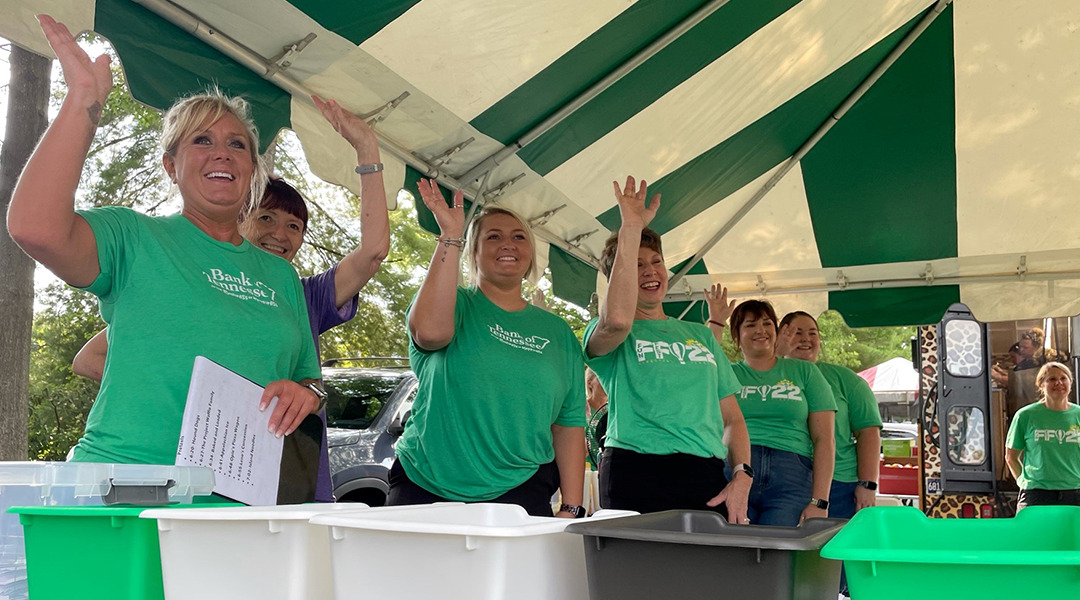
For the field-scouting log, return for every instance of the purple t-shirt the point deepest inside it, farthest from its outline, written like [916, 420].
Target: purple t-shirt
[321, 294]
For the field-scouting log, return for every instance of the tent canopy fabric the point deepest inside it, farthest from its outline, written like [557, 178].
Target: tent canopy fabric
[893, 375]
[953, 177]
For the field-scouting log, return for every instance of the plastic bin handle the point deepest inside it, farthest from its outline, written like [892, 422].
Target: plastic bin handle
[139, 493]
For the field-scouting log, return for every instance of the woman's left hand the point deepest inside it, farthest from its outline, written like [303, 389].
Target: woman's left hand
[864, 498]
[736, 497]
[295, 403]
[355, 130]
[813, 512]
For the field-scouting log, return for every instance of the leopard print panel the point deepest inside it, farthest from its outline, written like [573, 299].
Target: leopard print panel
[932, 501]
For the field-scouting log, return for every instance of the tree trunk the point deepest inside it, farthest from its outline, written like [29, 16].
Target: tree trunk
[27, 116]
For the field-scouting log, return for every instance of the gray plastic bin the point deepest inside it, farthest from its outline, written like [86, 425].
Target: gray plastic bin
[697, 554]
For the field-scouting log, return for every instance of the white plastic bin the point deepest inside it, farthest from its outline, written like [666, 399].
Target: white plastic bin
[470, 551]
[82, 484]
[265, 552]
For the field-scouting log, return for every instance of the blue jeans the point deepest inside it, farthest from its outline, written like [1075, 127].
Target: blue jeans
[783, 486]
[842, 500]
[842, 506]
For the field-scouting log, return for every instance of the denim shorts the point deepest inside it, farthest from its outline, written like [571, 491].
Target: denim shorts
[783, 486]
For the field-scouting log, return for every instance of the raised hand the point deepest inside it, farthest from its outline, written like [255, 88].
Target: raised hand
[351, 127]
[632, 207]
[719, 308]
[451, 219]
[88, 81]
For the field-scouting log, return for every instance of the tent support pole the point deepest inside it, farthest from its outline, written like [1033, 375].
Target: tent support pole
[846, 105]
[594, 90]
[912, 282]
[272, 72]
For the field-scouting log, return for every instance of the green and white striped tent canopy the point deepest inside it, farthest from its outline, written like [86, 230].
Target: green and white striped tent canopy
[953, 178]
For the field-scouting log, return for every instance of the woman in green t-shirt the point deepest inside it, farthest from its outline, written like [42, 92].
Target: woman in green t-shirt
[789, 409]
[673, 417]
[857, 424]
[1043, 445]
[499, 414]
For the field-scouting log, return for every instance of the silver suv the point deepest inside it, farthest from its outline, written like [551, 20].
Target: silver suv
[366, 411]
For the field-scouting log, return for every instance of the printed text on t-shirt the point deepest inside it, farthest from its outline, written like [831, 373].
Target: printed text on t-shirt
[683, 352]
[1061, 436]
[782, 390]
[532, 343]
[240, 286]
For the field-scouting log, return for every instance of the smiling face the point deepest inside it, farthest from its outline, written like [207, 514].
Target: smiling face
[757, 336]
[275, 231]
[652, 278]
[213, 167]
[800, 339]
[503, 252]
[1054, 382]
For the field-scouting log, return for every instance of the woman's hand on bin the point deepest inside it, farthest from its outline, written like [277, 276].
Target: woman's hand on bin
[735, 496]
[813, 512]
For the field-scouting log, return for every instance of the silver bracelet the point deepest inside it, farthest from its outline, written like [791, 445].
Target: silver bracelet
[447, 242]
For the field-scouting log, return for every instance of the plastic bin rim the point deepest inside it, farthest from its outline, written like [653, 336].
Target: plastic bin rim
[816, 533]
[119, 510]
[954, 557]
[400, 521]
[299, 512]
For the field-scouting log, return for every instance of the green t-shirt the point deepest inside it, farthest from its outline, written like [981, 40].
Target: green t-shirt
[481, 423]
[856, 408]
[776, 403]
[1050, 441]
[170, 293]
[664, 385]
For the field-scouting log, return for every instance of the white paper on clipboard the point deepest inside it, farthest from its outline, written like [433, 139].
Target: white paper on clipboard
[223, 429]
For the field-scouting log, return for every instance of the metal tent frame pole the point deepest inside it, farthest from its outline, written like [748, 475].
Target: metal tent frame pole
[593, 91]
[816, 137]
[274, 73]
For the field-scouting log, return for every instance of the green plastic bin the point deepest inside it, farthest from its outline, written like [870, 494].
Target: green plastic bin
[92, 552]
[890, 551]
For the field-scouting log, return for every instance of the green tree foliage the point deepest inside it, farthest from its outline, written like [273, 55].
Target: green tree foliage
[59, 399]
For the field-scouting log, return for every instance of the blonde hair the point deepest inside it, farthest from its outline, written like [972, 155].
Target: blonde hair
[472, 242]
[1044, 372]
[195, 112]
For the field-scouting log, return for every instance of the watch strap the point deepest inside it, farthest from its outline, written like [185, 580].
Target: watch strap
[577, 511]
[319, 393]
[745, 468]
[818, 502]
[870, 485]
[369, 169]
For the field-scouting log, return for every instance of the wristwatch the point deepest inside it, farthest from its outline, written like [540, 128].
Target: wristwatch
[319, 393]
[745, 468]
[818, 502]
[577, 511]
[870, 485]
[368, 169]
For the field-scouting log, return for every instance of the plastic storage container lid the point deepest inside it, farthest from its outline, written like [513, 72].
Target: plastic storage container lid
[705, 528]
[113, 483]
[477, 520]
[1038, 535]
[288, 512]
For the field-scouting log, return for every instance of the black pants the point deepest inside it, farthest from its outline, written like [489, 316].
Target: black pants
[655, 482]
[1037, 497]
[534, 495]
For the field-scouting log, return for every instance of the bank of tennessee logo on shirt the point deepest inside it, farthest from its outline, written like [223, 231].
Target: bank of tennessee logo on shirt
[690, 351]
[241, 286]
[1058, 436]
[532, 343]
[781, 390]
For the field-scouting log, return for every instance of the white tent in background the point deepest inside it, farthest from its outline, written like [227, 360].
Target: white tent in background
[894, 381]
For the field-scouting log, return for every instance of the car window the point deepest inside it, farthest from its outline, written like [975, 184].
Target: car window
[355, 399]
